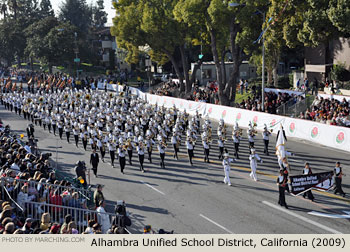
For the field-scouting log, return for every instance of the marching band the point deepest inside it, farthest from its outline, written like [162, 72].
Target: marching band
[124, 124]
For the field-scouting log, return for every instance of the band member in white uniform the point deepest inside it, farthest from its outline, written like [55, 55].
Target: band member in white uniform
[254, 157]
[266, 134]
[221, 146]
[112, 149]
[121, 154]
[236, 139]
[206, 147]
[141, 152]
[175, 140]
[226, 163]
[189, 146]
[161, 149]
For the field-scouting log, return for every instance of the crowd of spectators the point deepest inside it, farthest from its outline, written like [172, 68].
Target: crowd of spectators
[26, 179]
[272, 101]
[169, 88]
[328, 111]
[209, 94]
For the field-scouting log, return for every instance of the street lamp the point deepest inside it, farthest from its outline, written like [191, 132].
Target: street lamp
[263, 55]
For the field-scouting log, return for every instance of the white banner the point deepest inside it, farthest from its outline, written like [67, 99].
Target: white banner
[336, 97]
[328, 135]
[290, 92]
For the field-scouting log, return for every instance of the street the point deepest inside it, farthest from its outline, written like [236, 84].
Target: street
[195, 200]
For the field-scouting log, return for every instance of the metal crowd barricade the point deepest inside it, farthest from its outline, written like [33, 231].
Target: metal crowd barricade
[45, 189]
[80, 216]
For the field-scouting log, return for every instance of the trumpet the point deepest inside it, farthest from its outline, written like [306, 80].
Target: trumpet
[121, 94]
[111, 95]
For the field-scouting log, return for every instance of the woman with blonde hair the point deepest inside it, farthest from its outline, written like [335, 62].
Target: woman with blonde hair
[45, 221]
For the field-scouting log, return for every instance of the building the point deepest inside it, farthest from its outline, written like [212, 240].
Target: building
[246, 71]
[319, 60]
[110, 55]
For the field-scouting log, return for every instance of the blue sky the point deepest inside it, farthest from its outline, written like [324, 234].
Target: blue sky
[107, 3]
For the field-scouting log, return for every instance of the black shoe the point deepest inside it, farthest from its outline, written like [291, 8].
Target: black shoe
[286, 206]
[344, 195]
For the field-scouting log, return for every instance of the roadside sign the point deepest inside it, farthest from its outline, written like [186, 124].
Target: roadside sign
[76, 60]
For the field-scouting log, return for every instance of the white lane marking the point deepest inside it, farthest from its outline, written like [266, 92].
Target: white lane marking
[152, 187]
[222, 227]
[328, 229]
[333, 216]
[297, 161]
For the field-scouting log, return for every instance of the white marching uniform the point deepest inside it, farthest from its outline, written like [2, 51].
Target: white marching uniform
[253, 165]
[226, 163]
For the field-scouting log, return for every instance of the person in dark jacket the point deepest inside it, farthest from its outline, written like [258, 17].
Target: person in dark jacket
[307, 171]
[121, 220]
[94, 160]
[30, 131]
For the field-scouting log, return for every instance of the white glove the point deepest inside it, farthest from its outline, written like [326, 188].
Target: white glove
[261, 161]
[235, 160]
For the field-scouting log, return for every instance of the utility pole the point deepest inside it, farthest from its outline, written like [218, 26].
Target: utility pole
[76, 51]
[263, 68]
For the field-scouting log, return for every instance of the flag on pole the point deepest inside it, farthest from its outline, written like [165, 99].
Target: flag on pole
[280, 143]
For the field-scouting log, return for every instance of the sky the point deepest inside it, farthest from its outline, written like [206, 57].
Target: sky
[107, 4]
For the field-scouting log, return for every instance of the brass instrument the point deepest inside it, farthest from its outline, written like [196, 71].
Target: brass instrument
[253, 132]
[269, 131]
[78, 95]
[88, 97]
[41, 99]
[125, 147]
[29, 100]
[121, 94]
[65, 96]
[238, 132]
[163, 144]
[111, 95]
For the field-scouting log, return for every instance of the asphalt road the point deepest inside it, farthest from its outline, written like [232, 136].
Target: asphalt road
[195, 200]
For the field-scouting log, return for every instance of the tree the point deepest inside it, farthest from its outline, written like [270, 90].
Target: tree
[4, 9]
[50, 41]
[339, 15]
[152, 24]
[46, 9]
[77, 13]
[6, 46]
[13, 7]
[228, 30]
[99, 16]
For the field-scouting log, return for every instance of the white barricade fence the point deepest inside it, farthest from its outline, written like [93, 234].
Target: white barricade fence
[328, 135]
[290, 92]
[336, 97]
